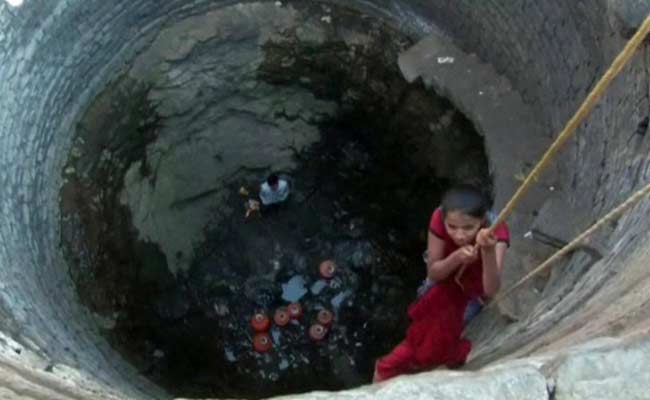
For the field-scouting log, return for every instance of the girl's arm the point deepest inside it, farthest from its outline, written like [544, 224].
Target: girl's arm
[492, 254]
[437, 267]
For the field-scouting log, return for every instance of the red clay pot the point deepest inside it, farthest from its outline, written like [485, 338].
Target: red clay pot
[281, 317]
[260, 322]
[317, 332]
[327, 269]
[325, 317]
[262, 342]
[295, 310]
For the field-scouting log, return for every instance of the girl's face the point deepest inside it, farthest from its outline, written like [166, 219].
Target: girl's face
[462, 228]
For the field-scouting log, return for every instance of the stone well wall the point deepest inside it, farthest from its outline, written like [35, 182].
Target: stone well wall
[56, 55]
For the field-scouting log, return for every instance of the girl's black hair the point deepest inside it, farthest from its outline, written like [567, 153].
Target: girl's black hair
[467, 199]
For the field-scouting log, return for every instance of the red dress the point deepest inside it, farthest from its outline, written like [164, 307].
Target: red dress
[434, 335]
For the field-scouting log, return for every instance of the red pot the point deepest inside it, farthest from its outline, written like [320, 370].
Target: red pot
[317, 332]
[260, 322]
[295, 310]
[325, 317]
[262, 342]
[327, 269]
[281, 317]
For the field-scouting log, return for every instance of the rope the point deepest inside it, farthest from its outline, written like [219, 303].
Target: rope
[615, 213]
[621, 60]
[587, 105]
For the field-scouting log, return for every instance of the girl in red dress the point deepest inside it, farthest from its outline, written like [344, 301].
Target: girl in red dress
[458, 239]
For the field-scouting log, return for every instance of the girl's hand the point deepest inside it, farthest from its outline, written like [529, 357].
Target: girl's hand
[485, 239]
[466, 254]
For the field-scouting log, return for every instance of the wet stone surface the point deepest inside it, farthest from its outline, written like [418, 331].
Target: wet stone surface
[153, 222]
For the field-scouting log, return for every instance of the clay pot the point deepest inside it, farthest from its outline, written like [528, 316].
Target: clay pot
[260, 322]
[281, 317]
[295, 310]
[262, 342]
[325, 317]
[317, 332]
[327, 269]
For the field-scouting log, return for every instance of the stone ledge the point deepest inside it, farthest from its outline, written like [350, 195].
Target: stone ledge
[510, 127]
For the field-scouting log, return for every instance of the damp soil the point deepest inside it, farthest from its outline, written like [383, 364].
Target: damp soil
[361, 196]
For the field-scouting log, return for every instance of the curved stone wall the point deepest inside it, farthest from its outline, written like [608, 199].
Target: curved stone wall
[55, 56]
[553, 54]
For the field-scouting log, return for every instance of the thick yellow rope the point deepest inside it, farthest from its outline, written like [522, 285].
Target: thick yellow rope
[587, 105]
[615, 213]
[621, 60]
